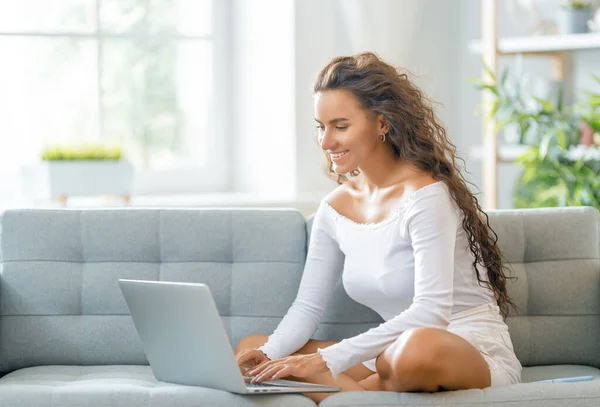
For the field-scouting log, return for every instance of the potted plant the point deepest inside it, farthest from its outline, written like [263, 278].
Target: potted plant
[87, 169]
[562, 164]
[527, 116]
[573, 16]
[556, 177]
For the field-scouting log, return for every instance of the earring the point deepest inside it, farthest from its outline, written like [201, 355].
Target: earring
[382, 137]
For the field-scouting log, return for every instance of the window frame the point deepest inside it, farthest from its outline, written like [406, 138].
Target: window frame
[215, 177]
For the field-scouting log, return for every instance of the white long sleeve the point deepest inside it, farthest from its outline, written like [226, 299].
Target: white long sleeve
[414, 269]
[324, 263]
[431, 224]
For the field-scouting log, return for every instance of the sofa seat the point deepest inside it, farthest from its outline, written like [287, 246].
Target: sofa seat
[119, 386]
[523, 394]
[133, 386]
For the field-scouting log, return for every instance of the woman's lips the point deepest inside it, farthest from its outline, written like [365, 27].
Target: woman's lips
[338, 157]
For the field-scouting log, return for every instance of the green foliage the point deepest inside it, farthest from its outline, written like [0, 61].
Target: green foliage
[577, 4]
[90, 151]
[557, 170]
[589, 109]
[556, 180]
[536, 118]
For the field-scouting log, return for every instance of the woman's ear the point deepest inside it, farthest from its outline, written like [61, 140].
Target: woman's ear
[383, 124]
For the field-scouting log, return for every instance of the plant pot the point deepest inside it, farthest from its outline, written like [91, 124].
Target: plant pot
[51, 180]
[573, 20]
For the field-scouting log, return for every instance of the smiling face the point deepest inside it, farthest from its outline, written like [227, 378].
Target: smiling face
[346, 131]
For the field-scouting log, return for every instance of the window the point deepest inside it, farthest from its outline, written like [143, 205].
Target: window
[145, 73]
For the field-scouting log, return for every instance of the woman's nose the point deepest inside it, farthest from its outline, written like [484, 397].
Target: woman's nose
[325, 140]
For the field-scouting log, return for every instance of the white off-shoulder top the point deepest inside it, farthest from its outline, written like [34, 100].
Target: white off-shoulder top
[414, 269]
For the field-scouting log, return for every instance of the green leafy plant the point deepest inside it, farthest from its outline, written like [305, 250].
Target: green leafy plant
[557, 169]
[577, 4]
[589, 109]
[559, 179]
[88, 151]
[534, 117]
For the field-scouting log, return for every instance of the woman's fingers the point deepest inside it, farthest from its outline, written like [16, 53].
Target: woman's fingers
[267, 374]
[272, 372]
[246, 356]
[249, 359]
[258, 369]
[285, 371]
[250, 355]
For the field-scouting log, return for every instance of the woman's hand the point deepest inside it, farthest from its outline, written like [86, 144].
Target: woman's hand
[249, 358]
[298, 365]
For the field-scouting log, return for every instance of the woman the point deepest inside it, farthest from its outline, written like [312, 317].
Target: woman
[411, 241]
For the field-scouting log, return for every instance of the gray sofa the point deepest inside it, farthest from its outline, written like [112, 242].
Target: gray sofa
[66, 338]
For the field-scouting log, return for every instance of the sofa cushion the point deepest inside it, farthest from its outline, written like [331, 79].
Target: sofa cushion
[132, 386]
[60, 302]
[522, 394]
[119, 386]
[533, 373]
[555, 254]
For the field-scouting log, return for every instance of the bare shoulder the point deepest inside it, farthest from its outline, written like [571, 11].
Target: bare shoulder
[341, 198]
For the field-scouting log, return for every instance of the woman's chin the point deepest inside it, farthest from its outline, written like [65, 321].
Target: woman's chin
[342, 169]
[339, 169]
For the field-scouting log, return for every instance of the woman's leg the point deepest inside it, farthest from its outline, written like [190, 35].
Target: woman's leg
[347, 381]
[421, 359]
[429, 359]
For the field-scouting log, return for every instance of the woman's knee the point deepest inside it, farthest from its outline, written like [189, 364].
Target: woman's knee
[414, 353]
[251, 341]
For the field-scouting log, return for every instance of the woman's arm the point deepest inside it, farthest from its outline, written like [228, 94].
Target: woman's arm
[324, 263]
[431, 223]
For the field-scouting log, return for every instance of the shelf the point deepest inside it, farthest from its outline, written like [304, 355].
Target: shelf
[542, 44]
[507, 153]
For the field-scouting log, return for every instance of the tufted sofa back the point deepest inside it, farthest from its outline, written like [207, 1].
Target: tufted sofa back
[60, 302]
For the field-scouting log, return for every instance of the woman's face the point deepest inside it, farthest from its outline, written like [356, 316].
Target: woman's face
[347, 132]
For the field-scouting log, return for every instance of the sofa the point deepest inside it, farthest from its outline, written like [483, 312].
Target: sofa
[66, 337]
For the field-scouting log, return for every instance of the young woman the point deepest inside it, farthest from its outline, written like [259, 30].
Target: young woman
[411, 241]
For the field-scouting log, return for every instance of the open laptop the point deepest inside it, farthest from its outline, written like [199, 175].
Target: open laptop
[185, 342]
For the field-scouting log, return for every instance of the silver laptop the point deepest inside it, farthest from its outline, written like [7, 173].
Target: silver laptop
[185, 342]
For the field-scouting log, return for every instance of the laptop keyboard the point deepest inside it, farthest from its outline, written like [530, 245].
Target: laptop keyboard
[263, 385]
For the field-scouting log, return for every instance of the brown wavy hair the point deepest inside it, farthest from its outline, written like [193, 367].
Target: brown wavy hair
[416, 136]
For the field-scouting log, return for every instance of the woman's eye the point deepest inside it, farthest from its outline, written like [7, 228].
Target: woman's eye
[341, 128]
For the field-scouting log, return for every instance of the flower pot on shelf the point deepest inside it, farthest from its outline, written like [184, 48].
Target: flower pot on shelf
[572, 20]
[60, 179]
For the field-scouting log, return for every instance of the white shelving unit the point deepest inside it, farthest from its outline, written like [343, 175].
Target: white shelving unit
[541, 44]
[556, 47]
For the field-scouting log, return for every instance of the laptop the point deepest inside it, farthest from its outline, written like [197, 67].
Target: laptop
[185, 342]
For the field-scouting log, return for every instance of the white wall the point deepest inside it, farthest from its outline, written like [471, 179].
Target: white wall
[403, 32]
[280, 45]
[263, 116]
[276, 150]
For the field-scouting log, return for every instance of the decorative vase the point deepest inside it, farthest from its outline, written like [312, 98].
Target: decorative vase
[573, 20]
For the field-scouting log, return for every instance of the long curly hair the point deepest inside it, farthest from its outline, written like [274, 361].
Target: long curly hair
[416, 136]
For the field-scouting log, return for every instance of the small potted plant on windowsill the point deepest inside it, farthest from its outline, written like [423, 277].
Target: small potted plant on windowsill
[572, 17]
[91, 169]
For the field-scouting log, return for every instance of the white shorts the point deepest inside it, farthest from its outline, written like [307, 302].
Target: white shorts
[484, 328]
